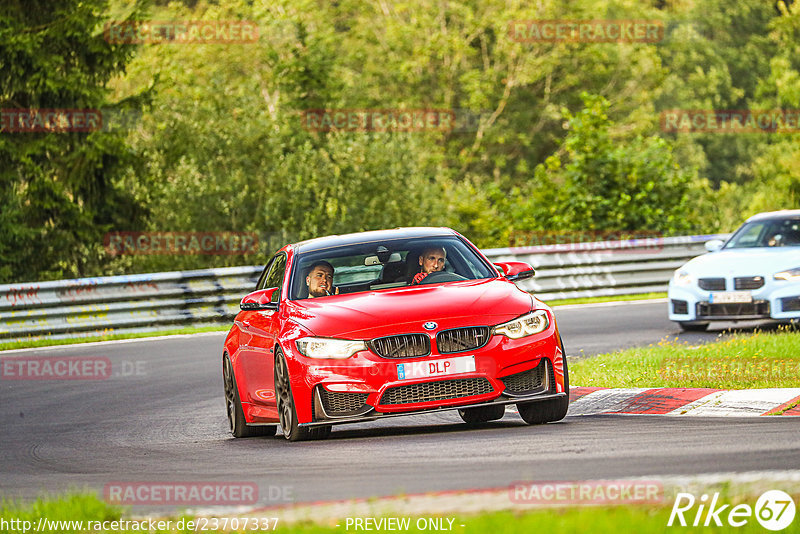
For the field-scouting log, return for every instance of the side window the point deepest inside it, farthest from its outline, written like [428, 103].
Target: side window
[262, 280]
[275, 276]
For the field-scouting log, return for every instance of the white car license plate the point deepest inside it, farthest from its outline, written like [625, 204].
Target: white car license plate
[731, 297]
[444, 366]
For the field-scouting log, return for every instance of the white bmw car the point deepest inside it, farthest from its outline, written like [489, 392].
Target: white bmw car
[755, 274]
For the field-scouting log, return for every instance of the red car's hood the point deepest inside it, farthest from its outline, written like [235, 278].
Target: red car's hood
[378, 313]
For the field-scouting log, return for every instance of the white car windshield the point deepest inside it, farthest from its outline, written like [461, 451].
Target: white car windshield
[766, 233]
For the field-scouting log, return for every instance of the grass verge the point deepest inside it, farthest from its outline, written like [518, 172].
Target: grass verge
[761, 360]
[616, 298]
[643, 519]
[108, 337]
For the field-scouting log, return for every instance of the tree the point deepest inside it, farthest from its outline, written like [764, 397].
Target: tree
[60, 190]
[716, 52]
[228, 150]
[601, 182]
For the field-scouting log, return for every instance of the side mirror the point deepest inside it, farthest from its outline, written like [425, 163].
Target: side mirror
[714, 245]
[515, 270]
[261, 300]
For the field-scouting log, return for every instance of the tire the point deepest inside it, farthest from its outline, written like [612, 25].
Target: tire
[549, 411]
[693, 327]
[233, 406]
[482, 414]
[286, 410]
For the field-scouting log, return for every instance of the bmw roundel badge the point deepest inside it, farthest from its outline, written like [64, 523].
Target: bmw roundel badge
[430, 325]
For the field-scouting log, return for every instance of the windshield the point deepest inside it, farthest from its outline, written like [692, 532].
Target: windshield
[767, 233]
[385, 264]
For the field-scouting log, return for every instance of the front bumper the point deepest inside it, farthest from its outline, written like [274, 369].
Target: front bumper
[778, 300]
[367, 387]
[544, 389]
[372, 415]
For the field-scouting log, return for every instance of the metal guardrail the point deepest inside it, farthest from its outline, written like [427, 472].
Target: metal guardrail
[607, 268]
[159, 301]
[123, 304]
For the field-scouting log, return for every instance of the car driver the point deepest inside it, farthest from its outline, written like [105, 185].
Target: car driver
[320, 280]
[431, 260]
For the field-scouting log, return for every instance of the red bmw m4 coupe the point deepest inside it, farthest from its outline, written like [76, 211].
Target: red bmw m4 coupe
[359, 327]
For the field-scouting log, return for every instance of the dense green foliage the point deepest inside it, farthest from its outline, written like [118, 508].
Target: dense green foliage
[560, 136]
[60, 191]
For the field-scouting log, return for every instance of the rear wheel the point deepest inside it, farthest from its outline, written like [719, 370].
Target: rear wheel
[537, 413]
[693, 327]
[233, 404]
[286, 410]
[482, 414]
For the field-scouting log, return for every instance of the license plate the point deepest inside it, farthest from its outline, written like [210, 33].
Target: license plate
[444, 366]
[731, 297]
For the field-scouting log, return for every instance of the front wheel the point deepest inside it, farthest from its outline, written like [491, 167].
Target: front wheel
[693, 327]
[482, 414]
[537, 413]
[236, 422]
[286, 410]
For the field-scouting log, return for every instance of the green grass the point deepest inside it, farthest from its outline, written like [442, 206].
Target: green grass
[108, 337]
[616, 298]
[69, 507]
[761, 360]
[642, 519]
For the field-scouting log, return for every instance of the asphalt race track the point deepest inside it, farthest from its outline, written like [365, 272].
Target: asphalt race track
[160, 417]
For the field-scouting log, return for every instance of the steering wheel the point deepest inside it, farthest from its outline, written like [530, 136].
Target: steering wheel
[441, 276]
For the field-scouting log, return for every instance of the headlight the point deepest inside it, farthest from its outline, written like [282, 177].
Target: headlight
[527, 325]
[682, 278]
[791, 274]
[321, 347]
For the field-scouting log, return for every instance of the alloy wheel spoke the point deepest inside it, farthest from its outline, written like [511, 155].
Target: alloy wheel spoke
[280, 373]
[286, 419]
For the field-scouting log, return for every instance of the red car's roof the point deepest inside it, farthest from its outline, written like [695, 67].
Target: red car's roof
[320, 243]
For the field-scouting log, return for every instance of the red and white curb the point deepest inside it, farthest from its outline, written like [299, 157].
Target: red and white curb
[685, 401]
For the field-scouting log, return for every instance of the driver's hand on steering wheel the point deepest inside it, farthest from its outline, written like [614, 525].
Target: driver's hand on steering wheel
[418, 278]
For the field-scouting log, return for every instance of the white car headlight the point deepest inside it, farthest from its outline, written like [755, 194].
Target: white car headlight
[790, 274]
[682, 278]
[527, 325]
[322, 347]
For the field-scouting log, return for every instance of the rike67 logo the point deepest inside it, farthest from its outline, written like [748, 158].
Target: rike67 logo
[774, 510]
